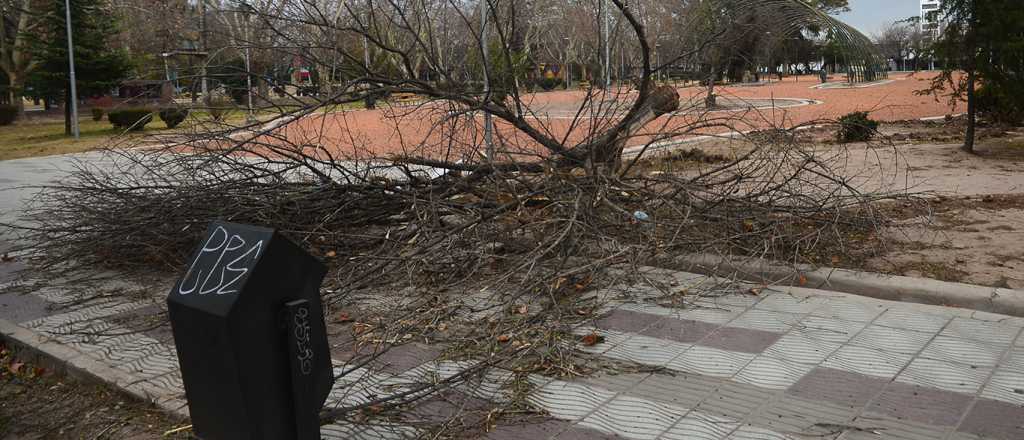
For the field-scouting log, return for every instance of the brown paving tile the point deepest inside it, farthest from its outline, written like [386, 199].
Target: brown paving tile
[150, 320]
[626, 321]
[741, 339]
[679, 330]
[451, 406]
[920, 404]
[10, 271]
[402, 358]
[992, 419]
[532, 430]
[838, 387]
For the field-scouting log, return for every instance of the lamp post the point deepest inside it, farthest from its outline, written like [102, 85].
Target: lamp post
[568, 68]
[488, 145]
[71, 71]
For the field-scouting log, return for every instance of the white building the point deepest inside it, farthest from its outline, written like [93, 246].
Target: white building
[931, 19]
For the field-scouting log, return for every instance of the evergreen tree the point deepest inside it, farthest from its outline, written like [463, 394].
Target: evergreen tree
[985, 40]
[98, 66]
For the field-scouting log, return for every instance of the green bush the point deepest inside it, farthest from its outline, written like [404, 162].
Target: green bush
[172, 116]
[134, 119]
[550, 83]
[856, 127]
[97, 113]
[8, 113]
[997, 106]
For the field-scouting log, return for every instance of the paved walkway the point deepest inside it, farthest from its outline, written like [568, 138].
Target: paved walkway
[786, 363]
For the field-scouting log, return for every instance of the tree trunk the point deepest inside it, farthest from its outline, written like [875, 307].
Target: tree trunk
[709, 100]
[971, 114]
[14, 85]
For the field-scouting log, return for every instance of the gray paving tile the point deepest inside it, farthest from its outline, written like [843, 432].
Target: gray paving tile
[995, 420]
[867, 361]
[539, 429]
[766, 320]
[772, 373]
[733, 400]
[1007, 385]
[848, 389]
[877, 426]
[893, 340]
[963, 351]
[790, 303]
[796, 415]
[10, 271]
[829, 330]
[682, 389]
[920, 404]
[915, 318]
[633, 417]
[850, 308]
[22, 307]
[711, 361]
[949, 376]
[799, 348]
[998, 333]
[700, 426]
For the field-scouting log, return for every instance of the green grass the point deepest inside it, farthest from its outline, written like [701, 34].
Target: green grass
[46, 137]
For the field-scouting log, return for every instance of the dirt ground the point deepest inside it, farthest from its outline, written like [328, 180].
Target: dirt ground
[38, 404]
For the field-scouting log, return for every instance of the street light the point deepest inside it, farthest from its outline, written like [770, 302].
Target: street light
[568, 71]
[71, 70]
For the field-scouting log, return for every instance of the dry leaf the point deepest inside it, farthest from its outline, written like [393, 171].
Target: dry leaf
[591, 339]
[375, 409]
[582, 312]
[344, 317]
[15, 367]
[504, 338]
[754, 291]
[835, 260]
[802, 280]
[360, 328]
[521, 310]
[331, 254]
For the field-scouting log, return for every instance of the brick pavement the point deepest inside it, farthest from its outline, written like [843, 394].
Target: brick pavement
[785, 364]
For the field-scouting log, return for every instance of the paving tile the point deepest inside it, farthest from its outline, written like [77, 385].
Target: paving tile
[735, 400]
[1014, 358]
[611, 339]
[541, 429]
[750, 432]
[401, 358]
[892, 340]
[963, 351]
[685, 390]
[633, 417]
[449, 406]
[796, 415]
[850, 309]
[10, 271]
[617, 383]
[22, 307]
[765, 320]
[994, 420]
[867, 361]
[959, 378]
[789, 303]
[711, 361]
[679, 330]
[771, 373]
[577, 432]
[920, 404]
[701, 426]
[914, 318]
[710, 314]
[626, 321]
[568, 400]
[797, 347]
[877, 426]
[346, 431]
[646, 350]
[829, 330]
[740, 339]
[1007, 385]
[843, 388]
[999, 333]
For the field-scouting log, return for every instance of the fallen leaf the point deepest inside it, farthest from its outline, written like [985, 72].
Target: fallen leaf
[802, 280]
[360, 328]
[521, 310]
[835, 260]
[344, 317]
[15, 367]
[331, 254]
[591, 339]
[504, 338]
[754, 291]
[375, 409]
[582, 312]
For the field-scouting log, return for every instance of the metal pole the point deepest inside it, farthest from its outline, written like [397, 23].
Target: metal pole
[607, 48]
[248, 80]
[488, 144]
[203, 49]
[71, 65]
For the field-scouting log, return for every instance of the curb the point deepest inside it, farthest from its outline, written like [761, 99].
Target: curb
[66, 360]
[875, 285]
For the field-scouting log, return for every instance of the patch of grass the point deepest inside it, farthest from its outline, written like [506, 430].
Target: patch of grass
[45, 138]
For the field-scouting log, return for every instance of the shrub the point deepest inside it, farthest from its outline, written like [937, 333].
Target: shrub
[221, 109]
[550, 83]
[998, 106]
[97, 113]
[8, 113]
[172, 116]
[856, 127]
[134, 119]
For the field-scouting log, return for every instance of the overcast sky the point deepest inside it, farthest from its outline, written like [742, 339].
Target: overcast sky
[869, 16]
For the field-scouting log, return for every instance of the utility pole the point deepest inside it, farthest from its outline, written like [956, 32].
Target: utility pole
[203, 49]
[607, 47]
[71, 70]
[488, 144]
